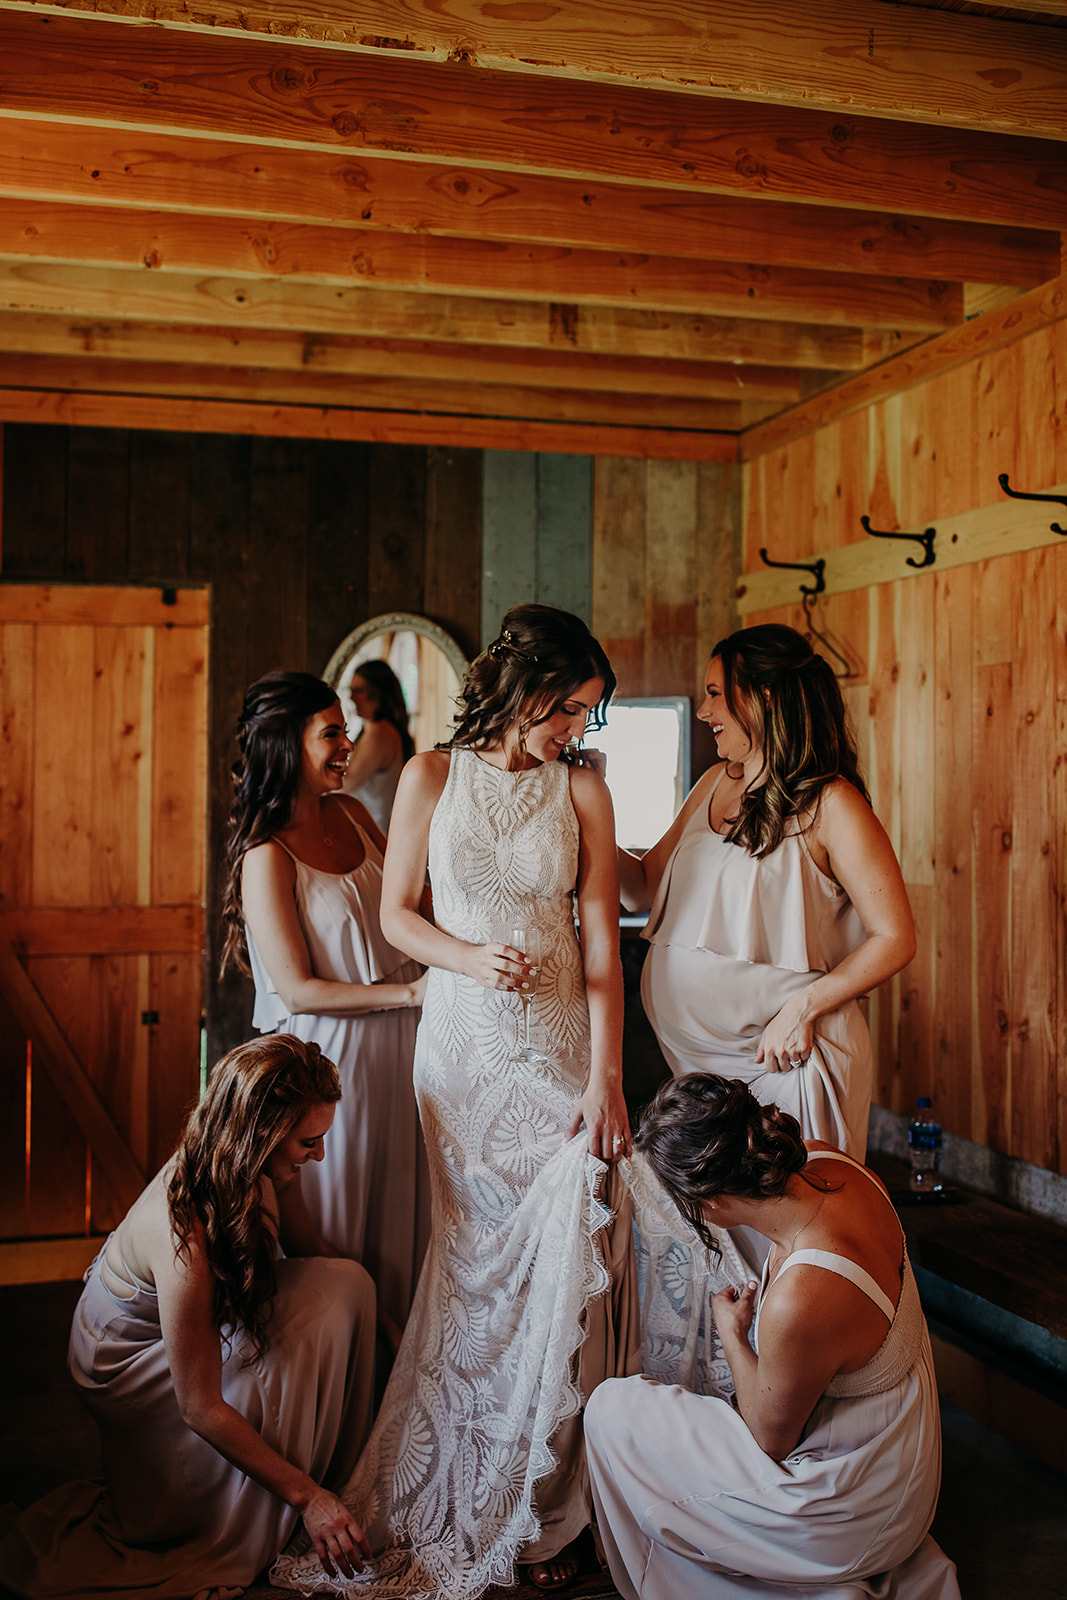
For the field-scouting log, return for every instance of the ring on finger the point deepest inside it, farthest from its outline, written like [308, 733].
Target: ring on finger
[796, 1061]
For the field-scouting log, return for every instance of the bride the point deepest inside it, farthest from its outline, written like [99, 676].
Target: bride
[528, 1298]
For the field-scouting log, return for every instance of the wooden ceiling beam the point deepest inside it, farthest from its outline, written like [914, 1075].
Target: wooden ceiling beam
[75, 164]
[374, 427]
[265, 387]
[869, 58]
[1029, 313]
[82, 240]
[395, 358]
[150, 82]
[511, 324]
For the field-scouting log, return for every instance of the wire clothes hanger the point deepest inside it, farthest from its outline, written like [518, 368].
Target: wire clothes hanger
[809, 594]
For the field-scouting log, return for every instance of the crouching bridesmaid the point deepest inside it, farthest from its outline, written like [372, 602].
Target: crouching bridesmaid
[822, 1479]
[230, 1386]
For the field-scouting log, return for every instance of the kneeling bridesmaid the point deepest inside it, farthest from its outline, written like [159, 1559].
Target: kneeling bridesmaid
[824, 1479]
[229, 1386]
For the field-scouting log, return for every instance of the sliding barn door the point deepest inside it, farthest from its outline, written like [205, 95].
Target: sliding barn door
[103, 723]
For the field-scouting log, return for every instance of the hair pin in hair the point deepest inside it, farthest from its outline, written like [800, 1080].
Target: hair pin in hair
[506, 643]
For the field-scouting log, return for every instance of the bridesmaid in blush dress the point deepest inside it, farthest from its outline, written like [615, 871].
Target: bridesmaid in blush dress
[776, 898]
[196, 1350]
[303, 894]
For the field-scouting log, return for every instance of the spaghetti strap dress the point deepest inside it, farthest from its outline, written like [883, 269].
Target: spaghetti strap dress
[172, 1518]
[688, 1505]
[369, 1196]
[733, 938]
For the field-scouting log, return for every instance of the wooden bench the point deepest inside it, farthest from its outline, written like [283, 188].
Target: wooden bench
[994, 1285]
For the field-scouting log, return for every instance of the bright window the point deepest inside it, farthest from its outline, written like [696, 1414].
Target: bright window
[647, 747]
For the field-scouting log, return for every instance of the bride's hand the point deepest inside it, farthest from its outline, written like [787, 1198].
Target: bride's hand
[339, 1541]
[602, 1111]
[495, 966]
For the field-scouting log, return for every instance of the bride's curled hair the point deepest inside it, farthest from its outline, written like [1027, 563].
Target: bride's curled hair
[255, 1097]
[533, 666]
[704, 1136]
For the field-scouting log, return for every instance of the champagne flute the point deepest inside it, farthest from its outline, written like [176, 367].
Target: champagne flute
[527, 941]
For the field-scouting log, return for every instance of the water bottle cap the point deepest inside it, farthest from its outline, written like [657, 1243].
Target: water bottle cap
[924, 1101]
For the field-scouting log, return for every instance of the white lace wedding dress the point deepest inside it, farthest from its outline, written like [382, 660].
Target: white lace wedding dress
[468, 1436]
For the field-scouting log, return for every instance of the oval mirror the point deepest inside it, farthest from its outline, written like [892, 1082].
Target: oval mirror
[428, 662]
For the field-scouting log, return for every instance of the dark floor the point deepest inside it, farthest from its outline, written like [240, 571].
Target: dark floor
[1002, 1517]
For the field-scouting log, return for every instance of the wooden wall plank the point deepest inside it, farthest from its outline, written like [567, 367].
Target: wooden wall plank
[1037, 852]
[119, 762]
[277, 556]
[159, 506]
[63, 697]
[178, 790]
[671, 557]
[396, 524]
[953, 832]
[337, 550]
[18, 651]
[564, 533]
[35, 503]
[618, 595]
[452, 591]
[993, 845]
[509, 535]
[105, 930]
[97, 522]
[175, 990]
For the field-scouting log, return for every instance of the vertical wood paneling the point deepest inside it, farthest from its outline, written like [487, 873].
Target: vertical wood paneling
[618, 603]
[17, 696]
[179, 759]
[953, 807]
[64, 681]
[396, 532]
[564, 521]
[1038, 854]
[159, 505]
[671, 577]
[509, 535]
[963, 736]
[275, 617]
[993, 844]
[35, 501]
[453, 583]
[97, 545]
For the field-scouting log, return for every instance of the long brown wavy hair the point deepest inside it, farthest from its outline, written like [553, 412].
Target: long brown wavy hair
[705, 1136]
[530, 670]
[384, 684]
[255, 1097]
[270, 733]
[788, 701]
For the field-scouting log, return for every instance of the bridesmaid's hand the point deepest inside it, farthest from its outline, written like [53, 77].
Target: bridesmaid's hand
[734, 1309]
[602, 1111]
[497, 966]
[788, 1038]
[338, 1538]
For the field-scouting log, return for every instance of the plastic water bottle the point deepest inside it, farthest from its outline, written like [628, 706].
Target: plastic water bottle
[924, 1149]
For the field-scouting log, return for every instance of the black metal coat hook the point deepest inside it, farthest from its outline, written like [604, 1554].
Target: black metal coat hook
[1017, 494]
[926, 539]
[816, 568]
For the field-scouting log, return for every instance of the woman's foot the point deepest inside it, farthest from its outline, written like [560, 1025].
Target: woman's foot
[553, 1574]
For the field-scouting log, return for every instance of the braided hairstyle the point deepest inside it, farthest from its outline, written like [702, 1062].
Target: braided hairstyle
[788, 701]
[255, 1097]
[270, 733]
[704, 1136]
[540, 657]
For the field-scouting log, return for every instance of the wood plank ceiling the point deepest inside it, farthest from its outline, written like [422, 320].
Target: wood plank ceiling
[623, 226]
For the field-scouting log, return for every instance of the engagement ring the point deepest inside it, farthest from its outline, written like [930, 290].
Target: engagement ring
[799, 1062]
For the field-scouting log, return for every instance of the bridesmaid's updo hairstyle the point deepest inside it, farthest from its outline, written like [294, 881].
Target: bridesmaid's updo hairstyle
[787, 699]
[255, 1097]
[270, 733]
[534, 665]
[705, 1136]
